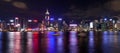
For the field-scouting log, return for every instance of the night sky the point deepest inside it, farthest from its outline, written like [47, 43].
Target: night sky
[59, 7]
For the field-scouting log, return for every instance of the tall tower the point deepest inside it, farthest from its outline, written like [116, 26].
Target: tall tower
[47, 18]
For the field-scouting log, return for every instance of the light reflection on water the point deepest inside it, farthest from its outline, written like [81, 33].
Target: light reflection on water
[91, 42]
[36, 42]
[29, 42]
[10, 42]
[0, 42]
[60, 45]
[95, 42]
[17, 42]
[73, 42]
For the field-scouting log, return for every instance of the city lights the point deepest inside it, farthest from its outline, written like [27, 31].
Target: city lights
[12, 23]
[59, 26]
[16, 18]
[110, 19]
[113, 21]
[105, 19]
[11, 20]
[35, 20]
[91, 25]
[51, 19]
[18, 25]
[8, 23]
[59, 19]
[29, 20]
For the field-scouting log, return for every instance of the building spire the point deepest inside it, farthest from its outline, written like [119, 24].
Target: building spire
[47, 12]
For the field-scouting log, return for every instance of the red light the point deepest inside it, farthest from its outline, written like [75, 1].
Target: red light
[36, 35]
[29, 29]
[36, 45]
[35, 20]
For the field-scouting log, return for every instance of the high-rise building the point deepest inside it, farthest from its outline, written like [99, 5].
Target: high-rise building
[47, 18]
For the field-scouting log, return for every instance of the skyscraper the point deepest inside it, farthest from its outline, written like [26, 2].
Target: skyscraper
[47, 18]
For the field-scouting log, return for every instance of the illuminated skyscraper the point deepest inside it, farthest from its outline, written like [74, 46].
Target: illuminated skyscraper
[47, 18]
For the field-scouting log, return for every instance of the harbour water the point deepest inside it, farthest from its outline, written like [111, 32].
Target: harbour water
[65, 42]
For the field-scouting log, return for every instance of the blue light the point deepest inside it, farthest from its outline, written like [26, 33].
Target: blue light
[59, 19]
[51, 18]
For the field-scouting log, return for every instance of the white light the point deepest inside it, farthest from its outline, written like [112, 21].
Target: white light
[60, 19]
[110, 19]
[91, 24]
[29, 20]
[11, 20]
[73, 24]
[113, 21]
[115, 25]
[12, 23]
[17, 25]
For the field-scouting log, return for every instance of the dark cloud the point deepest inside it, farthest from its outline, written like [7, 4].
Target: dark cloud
[113, 5]
[20, 5]
[109, 8]
[7, 0]
[16, 8]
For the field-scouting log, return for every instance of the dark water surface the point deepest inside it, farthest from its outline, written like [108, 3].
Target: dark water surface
[36, 42]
